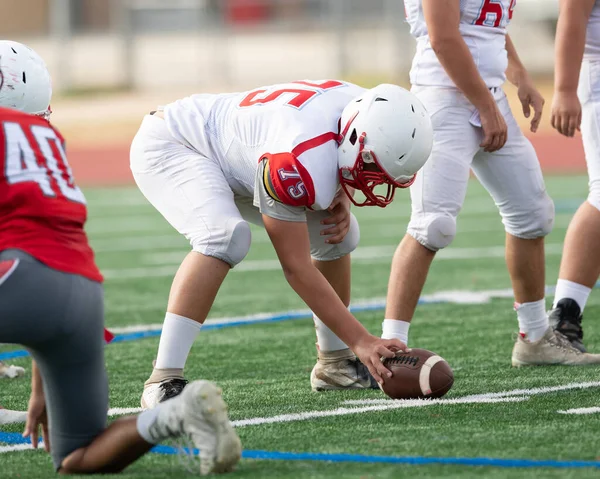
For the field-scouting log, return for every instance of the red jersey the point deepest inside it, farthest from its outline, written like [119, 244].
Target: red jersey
[42, 211]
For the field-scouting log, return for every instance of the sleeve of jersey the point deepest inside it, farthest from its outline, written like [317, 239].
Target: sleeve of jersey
[287, 181]
[264, 198]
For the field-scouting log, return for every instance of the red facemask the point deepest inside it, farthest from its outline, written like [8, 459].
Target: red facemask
[366, 181]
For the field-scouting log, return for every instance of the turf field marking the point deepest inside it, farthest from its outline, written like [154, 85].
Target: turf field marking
[372, 254]
[501, 394]
[358, 458]
[581, 410]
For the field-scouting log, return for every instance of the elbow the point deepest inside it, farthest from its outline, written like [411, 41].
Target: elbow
[293, 272]
[442, 42]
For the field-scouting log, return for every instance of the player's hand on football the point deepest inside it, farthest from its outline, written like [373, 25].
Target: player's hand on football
[530, 99]
[339, 219]
[494, 128]
[372, 350]
[566, 113]
[36, 417]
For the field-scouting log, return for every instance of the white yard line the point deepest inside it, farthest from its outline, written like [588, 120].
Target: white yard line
[581, 410]
[374, 405]
[167, 263]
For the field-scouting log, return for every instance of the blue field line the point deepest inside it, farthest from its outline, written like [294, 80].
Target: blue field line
[15, 438]
[273, 318]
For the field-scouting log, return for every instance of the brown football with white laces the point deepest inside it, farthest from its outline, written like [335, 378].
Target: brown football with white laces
[418, 374]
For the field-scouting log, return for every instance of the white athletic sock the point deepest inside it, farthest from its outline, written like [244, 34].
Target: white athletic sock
[569, 289]
[326, 338]
[395, 329]
[533, 320]
[176, 340]
[144, 423]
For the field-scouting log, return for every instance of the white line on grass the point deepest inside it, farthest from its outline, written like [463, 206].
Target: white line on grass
[581, 410]
[501, 394]
[374, 405]
[373, 254]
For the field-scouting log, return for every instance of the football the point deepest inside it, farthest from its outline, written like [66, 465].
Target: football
[417, 374]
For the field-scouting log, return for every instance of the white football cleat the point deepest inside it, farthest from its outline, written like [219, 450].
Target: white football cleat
[12, 417]
[10, 371]
[552, 348]
[340, 370]
[200, 413]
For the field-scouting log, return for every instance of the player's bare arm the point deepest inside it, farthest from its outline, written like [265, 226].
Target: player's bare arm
[528, 94]
[570, 43]
[291, 242]
[443, 18]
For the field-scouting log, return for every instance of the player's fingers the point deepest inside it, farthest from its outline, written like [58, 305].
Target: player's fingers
[337, 238]
[503, 138]
[373, 370]
[395, 345]
[572, 125]
[382, 371]
[333, 219]
[553, 120]
[493, 143]
[535, 122]
[487, 139]
[526, 109]
[46, 436]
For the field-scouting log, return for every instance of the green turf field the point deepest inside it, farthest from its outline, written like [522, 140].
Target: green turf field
[264, 368]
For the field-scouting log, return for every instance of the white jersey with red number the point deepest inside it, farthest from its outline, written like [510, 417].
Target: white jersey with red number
[483, 27]
[280, 139]
[42, 211]
[592, 40]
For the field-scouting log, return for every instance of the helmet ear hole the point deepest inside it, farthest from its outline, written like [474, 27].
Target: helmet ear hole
[353, 137]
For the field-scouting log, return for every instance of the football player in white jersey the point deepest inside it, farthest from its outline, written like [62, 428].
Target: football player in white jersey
[286, 157]
[463, 57]
[575, 105]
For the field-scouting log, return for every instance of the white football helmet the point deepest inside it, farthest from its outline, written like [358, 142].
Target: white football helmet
[25, 82]
[389, 128]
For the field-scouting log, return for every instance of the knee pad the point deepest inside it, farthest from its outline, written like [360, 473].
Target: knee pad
[331, 252]
[533, 222]
[229, 243]
[435, 231]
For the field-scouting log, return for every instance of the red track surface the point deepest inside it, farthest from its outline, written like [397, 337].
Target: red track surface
[108, 166]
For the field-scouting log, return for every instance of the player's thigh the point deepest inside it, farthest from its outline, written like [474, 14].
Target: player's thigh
[513, 177]
[59, 318]
[322, 251]
[192, 194]
[26, 287]
[589, 95]
[439, 190]
[75, 379]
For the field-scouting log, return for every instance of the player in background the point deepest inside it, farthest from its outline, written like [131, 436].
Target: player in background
[575, 104]
[51, 299]
[463, 58]
[286, 157]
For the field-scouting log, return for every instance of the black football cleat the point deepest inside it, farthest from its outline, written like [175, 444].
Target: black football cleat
[566, 319]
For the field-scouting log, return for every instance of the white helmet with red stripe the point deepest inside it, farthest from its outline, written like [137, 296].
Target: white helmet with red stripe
[385, 138]
[25, 82]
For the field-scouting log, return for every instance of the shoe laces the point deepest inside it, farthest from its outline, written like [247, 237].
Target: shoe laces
[562, 341]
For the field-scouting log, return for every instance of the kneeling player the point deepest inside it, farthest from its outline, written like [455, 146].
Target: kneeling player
[286, 157]
[51, 301]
